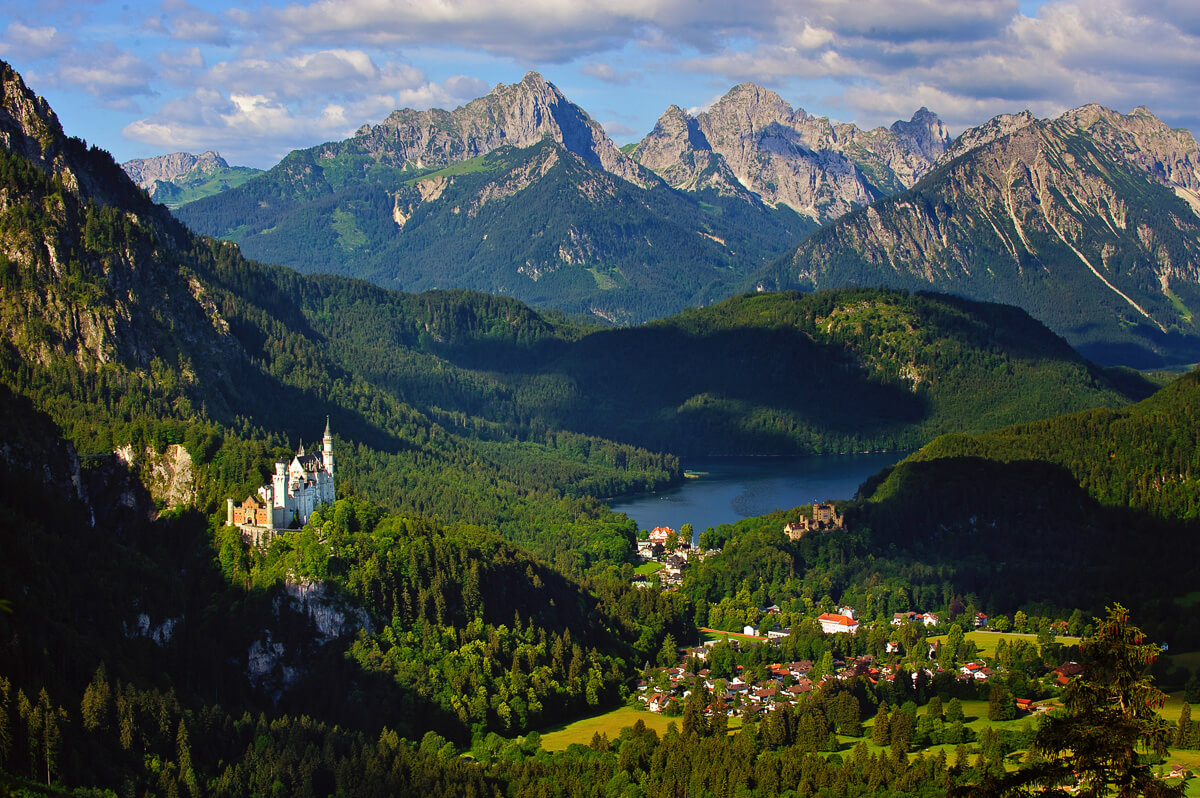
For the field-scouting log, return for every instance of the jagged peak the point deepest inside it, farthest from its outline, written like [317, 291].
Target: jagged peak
[995, 128]
[754, 93]
[533, 78]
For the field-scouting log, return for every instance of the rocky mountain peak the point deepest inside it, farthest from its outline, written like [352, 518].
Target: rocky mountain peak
[29, 128]
[519, 115]
[757, 106]
[786, 156]
[147, 171]
[925, 132]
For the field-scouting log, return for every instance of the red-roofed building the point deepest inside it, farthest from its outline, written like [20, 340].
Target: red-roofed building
[660, 534]
[832, 623]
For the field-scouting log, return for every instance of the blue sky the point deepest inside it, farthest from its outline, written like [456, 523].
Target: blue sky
[255, 80]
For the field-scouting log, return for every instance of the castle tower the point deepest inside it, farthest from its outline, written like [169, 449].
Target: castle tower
[327, 449]
[327, 489]
[279, 509]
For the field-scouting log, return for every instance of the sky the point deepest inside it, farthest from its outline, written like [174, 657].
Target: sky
[255, 80]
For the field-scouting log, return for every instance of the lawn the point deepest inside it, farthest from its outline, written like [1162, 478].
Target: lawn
[986, 641]
[610, 723]
[718, 634]
[648, 568]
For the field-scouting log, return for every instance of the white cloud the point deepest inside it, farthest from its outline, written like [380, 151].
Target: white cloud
[112, 75]
[33, 43]
[970, 60]
[257, 128]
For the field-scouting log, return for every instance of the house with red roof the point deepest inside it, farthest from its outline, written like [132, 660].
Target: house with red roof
[832, 623]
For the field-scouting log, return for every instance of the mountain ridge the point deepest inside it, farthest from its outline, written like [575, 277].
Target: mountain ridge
[1041, 213]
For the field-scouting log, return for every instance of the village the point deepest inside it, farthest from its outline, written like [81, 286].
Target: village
[750, 690]
[911, 650]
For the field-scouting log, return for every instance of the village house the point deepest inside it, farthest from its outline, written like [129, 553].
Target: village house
[660, 534]
[778, 633]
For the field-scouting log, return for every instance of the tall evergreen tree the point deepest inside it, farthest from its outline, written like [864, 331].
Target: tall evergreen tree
[881, 733]
[1183, 730]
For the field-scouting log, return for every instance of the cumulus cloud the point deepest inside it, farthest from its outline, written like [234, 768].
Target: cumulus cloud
[258, 127]
[970, 60]
[33, 43]
[553, 31]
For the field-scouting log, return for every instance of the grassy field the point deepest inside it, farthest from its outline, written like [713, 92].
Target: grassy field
[609, 723]
[986, 641]
[648, 568]
[717, 634]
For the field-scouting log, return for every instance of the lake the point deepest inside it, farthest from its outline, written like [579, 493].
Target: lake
[726, 489]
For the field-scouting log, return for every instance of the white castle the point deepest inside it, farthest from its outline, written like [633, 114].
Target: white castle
[295, 491]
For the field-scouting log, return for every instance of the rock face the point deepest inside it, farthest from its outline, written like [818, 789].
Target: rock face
[168, 476]
[1078, 220]
[166, 168]
[517, 115]
[276, 659]
[753, 141]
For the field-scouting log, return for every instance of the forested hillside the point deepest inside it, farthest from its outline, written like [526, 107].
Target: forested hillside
[1050, 503]
[839, 371]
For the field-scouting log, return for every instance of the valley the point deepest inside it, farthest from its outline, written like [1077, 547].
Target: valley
[471, 579]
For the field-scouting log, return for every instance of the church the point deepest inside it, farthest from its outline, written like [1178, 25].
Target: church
[295, 491]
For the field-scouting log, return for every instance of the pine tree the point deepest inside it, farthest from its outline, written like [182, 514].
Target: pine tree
[183, 755]
[881, 730]
[1183, 730]
[1110, 717]
[97, 701]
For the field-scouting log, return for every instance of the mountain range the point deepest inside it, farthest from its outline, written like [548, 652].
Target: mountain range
[1088, 221]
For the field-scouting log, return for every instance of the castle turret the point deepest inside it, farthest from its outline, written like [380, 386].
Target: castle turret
[327, 449]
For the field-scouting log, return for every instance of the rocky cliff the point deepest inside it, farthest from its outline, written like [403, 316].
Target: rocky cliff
[751, 140]
[1079, 220]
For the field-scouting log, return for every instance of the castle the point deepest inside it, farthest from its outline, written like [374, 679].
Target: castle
[295, 491]
[824, 518]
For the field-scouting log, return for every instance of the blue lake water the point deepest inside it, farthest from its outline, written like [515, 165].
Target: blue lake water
[730, 488]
